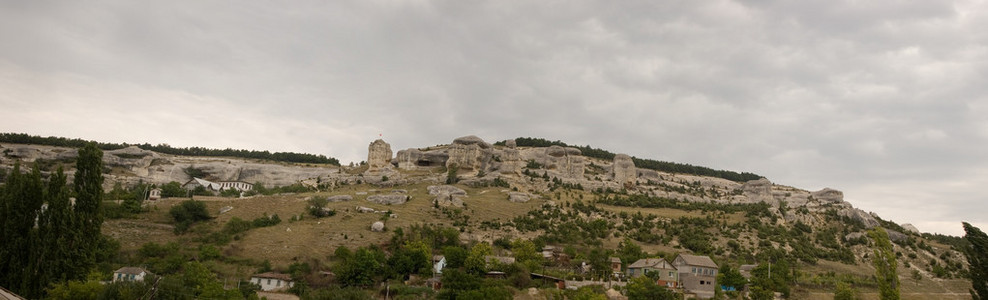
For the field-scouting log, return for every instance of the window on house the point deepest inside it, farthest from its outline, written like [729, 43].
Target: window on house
[269, 281]
[278, 282]
[702, 283]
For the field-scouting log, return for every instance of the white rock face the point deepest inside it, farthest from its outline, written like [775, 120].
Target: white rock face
[624, 170]
[388, 199]
[447, 195]
[377, 226]
[378, 156]
[511, 143]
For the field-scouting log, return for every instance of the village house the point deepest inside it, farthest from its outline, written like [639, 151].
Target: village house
[668, 274]
[615, 265]
[271, 281]
[129, 274]
[217, 186]
[154, 194]
[438, 263]
[697, 274]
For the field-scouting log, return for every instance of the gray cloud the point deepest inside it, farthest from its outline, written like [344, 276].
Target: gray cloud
[883, 100]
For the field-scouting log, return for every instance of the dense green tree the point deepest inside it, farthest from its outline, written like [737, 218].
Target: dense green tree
[728, 276]
[173, 189]
[88, 183]
[187, 213]
[977, 258]
[525, 253]
[21, 201]
[476, 263]
[362, 269]
[844, 292]
[456, 256]
[885, 265]
[629, 251]
[772, 277]
[646, 289]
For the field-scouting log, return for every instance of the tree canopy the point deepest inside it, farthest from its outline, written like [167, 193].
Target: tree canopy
[977, 257]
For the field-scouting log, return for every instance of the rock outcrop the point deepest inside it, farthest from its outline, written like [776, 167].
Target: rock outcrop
[388, 199]
[447, 195]
[378, 157]
[470, 154]
[623, 170]
[828, 196]
[860, 215]
[910, 228]
[567, 161]
[758, 190]
[511, 144]
[413, 159]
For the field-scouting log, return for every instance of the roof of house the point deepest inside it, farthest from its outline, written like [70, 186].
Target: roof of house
[274, 275]
[615, 260]
[6, 294]
[200, 181]
[646, 262]
[699, 261]
[131, 270]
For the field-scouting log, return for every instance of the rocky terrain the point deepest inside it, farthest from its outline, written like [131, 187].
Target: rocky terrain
[491, 192]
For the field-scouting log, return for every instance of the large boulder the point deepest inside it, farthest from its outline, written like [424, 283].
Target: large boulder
[511, 143]
[447, 195]
[388, 199]
[910, 228]
[377, 226]
[624, 170]
[378, 157]
[339, 198]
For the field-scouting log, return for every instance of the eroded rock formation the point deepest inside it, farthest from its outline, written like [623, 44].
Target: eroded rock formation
[470, 154]
[624, 170]
[378, 157]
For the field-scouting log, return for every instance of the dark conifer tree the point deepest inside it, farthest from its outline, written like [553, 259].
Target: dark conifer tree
[22, 199]
[88, 185]
[977, 257]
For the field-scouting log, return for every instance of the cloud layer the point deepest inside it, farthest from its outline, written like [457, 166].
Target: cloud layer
[885, 100]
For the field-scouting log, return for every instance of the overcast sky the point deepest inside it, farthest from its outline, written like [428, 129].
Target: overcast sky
[886, 101]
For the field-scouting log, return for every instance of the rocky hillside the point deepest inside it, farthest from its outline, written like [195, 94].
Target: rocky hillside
[554, 195]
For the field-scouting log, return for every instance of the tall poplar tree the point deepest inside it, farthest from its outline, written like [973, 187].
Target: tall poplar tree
[977, 258]
[885, 265]
[22, 199]
[88, 185]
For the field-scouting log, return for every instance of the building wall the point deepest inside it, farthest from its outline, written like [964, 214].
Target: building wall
[695, 283]
[270, 284]
[128, 277]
